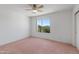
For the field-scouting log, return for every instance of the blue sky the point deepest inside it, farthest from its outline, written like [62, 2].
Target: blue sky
[43, 22]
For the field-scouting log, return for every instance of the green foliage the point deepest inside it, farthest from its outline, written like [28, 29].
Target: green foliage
[45, 29]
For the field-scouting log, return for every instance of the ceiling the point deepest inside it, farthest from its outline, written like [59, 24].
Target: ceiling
[48, 8]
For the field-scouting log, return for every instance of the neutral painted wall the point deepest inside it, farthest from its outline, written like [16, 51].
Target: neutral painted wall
[14, 25]
[61, 26]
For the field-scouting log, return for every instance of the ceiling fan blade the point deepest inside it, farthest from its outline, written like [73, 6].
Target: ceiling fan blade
[40, 6]
[34, 6]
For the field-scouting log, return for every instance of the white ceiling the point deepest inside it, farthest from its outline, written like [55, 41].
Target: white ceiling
[48, 8]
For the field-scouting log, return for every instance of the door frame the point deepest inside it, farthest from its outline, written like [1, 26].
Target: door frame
[75, 39]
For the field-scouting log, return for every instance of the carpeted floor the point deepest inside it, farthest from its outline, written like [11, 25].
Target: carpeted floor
[38, 46]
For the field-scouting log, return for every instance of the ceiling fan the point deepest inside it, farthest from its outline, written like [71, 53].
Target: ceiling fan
[35, 8]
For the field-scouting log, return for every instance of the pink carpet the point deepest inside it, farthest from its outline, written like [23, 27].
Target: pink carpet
[38, 46]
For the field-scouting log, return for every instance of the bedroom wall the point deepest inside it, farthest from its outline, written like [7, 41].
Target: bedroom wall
[14, 25]
[61, 26]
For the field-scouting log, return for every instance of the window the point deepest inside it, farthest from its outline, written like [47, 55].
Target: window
[43, 25]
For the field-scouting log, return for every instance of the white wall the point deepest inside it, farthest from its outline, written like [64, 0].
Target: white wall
[61, 26]
[14, 25]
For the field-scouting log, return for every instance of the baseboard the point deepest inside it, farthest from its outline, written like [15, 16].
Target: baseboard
[53, 40]
[15, 41]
